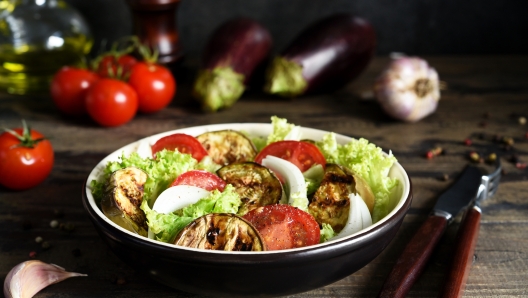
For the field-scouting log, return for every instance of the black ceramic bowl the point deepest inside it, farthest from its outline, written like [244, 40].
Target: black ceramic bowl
[272, 273]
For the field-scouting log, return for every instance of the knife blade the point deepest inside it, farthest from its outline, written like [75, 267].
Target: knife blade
[414, 257]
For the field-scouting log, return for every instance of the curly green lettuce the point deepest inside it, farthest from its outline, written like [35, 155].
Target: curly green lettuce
[166, 226]
[161, 171]
[368, 161]
[282, 130]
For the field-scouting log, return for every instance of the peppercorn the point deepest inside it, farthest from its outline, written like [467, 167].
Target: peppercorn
[467, 142]
[520, 165]
[46, 245]
[54, 223]
[68, 227]
[444, 177]
[492, 157]
[429, 154]
[38, 239]
[508, 141]
[474, 156]
[522, 120]
[32, 254]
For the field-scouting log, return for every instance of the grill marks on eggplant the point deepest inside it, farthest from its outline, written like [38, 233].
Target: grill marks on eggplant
[228, 146]
[330, 203]
[254, 183]
[122, 199]
[221, 231]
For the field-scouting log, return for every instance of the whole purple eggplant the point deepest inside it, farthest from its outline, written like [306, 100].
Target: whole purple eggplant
[323, 57]
[231, 55]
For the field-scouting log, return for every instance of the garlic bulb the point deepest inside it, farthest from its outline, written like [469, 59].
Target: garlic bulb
[28, 278]
[408, 89]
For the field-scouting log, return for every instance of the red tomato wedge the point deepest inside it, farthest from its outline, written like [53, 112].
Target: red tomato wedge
[302, 154]
[283, 226]
[183, 143]
[202, 179]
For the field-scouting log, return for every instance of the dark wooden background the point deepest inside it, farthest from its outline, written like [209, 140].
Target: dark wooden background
[485, 95]
[418, 27]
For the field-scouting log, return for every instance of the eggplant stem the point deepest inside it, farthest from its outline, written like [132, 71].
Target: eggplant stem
[218, 88]
[285, 78]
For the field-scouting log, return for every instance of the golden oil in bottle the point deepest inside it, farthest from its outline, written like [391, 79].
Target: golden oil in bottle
[28, 69]
[37, 38]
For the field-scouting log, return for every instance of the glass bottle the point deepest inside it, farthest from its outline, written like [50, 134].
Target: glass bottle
[37, 38]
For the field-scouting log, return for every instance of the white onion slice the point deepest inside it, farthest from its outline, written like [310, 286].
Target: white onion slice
[358, 217]
[144, 150]
[294, 134]
[177, 197]
[294, 180]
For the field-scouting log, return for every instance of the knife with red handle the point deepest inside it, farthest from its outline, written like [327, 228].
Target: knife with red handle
[467, 235]
[414, 257]
[463, 254]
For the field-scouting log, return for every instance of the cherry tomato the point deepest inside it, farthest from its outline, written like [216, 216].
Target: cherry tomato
[183, 143]
[202, 179]
[283, 226]
[109, 65]
[154, 84]
[69, 87]
[111, 102]
[302, 154]
[25, 160]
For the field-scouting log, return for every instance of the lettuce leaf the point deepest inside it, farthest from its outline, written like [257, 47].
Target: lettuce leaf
[166, 226]
[368, 161]
[327, 232]
[282, 130]
[161, 171]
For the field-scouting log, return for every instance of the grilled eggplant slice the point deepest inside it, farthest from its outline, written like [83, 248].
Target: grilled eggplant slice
[256, 184]
[221, 231]
[228, 146]
[122, 197]
[330, 203]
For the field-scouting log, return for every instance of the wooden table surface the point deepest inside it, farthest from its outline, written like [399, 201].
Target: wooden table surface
[484, 99]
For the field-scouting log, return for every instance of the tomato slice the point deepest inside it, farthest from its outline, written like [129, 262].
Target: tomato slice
[283, 226]
[302, 154]
[184, 143]
[202, 179]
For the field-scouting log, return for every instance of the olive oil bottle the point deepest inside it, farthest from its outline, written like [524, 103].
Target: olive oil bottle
[37, 38]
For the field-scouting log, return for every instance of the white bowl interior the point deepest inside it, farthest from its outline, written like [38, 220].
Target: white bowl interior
[255, 129]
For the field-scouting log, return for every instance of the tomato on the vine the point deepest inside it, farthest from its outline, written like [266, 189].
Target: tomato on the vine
[69, 87]
[111, 102]
[26, 158]
[154, 84]
[110, 65]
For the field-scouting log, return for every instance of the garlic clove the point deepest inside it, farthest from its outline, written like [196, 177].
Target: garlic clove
[28, 278]
[408, 89]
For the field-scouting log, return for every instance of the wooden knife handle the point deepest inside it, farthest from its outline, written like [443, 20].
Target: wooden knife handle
[463, 254]
[414, 257]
